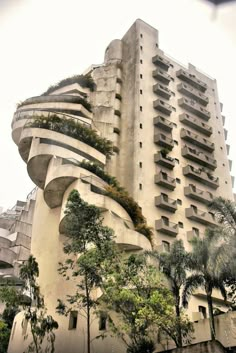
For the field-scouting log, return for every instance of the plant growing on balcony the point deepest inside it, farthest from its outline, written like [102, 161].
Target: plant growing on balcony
[72, 128]
[132, 208]
[57, 98]
[90, 250]
[85, 81]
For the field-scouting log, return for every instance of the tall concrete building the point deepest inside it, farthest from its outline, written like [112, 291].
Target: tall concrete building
[168, 136]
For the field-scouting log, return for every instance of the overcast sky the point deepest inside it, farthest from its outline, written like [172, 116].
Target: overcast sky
[44, 41]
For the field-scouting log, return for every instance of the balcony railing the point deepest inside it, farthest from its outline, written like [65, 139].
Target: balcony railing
[197, 215]
[164, 141]
[164, 226]
[196, 124]
[163, 123]
[197, 140]
[197, 194]
[191, 79]
[164, 160]
[162, 106]
[165, 202]
[199, 157]
[201, 176]
[165, 180]
[162, 91]
[162, 62]
[161, 76]
[193, 93]
[193, 107]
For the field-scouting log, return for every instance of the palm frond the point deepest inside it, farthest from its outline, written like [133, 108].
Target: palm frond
[192, 283]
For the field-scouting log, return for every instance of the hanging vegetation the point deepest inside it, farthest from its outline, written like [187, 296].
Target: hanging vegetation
[71, 127]
[84, 81]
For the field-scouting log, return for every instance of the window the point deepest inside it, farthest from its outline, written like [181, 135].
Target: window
[221, 148]
[195, 231]
[141, 48]
[140, 126]
[141, 61]
[178, 180]
[141, 76]
[202, 309]
[166, 245]
[141, 108]
[226, 182]
[181, 225]
[140, 144]
[176, 161]
[179, 202]
[176, 142]
[165, 220]
[140, 164]
[73, 320]
[174, 109]
[140, 186]
[218, 132]
[116, 130]
[174, 124]
[102, 321]
[141, 35]
[141, 91]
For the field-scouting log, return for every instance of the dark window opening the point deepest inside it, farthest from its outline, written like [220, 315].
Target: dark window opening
[73, 320]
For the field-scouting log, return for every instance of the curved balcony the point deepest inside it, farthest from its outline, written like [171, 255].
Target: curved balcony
[7, 257]
[91, 195]
[22, 118]
[38, 146]
[60, 176]
[62, 103]
[4, 242]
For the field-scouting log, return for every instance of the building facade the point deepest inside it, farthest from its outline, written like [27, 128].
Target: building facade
[169, 152]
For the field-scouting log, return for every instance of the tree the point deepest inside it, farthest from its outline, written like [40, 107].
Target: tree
[174, 264]
[41, 325]
[225, 213]
[143, 303]
[4, 336]
[205, 273]
[93, 242]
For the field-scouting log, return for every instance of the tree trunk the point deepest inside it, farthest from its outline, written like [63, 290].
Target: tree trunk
[211, 316]
[177, 312]
[88, 314]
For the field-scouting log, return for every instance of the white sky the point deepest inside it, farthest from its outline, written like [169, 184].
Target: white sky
[44, 41]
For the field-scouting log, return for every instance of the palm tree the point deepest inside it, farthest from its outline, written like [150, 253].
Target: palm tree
[174, 264]
[225, 213]
[202, 263]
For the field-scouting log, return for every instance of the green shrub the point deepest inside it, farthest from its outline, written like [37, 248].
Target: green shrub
[97, 170]
[83, 80]
[72, 128]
